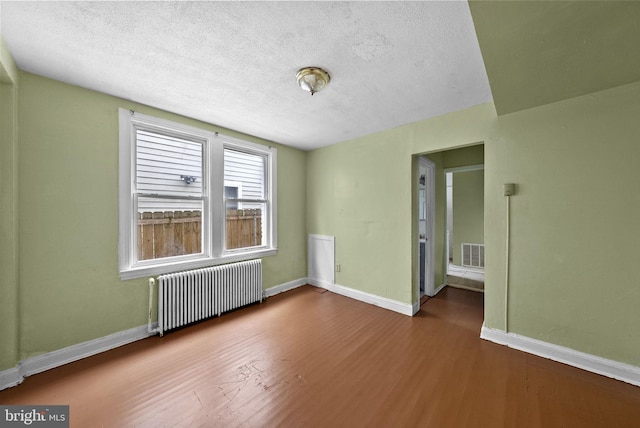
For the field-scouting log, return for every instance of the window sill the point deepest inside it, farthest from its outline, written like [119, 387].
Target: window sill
[194, 264]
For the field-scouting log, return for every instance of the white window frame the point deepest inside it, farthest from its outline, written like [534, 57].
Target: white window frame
[213, 215]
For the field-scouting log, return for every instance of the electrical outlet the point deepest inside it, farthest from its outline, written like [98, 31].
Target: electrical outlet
[337, 268]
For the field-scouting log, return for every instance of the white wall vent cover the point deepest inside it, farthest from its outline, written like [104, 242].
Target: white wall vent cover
[473, 255]
[322, 258]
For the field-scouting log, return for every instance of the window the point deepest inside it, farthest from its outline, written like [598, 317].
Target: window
[191, 198]
[244, 225]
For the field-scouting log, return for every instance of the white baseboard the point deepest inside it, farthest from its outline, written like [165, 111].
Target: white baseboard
[285, 287]
[30, 366]
[393, 305]
[47, 361]
[59, 357]
[415, 307]
[610, 368]
[319, 283]
[10, 377]
[439, 289]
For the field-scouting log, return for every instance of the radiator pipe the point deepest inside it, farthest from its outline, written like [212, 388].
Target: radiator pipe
[150, 329]
[506, 274]
[509, 190]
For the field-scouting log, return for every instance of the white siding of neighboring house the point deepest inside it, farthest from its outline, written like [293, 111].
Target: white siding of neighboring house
[248, 171]
[161, 160]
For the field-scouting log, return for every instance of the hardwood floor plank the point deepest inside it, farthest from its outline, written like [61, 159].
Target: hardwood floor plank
[310, 359]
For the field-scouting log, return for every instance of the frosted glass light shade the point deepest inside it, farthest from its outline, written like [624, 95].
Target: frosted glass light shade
[312, 79]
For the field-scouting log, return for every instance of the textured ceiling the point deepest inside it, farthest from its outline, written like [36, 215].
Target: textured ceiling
[538, 52]
[234, 63]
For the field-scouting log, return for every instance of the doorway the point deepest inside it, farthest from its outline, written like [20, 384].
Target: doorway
[431, 254]
[464, 242]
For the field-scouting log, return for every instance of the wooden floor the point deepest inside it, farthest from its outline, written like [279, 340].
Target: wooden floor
[309, 358]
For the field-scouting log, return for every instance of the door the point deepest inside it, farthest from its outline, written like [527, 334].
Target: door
[426, 225]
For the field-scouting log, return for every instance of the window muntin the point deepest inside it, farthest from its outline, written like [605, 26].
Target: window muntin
[173, 177]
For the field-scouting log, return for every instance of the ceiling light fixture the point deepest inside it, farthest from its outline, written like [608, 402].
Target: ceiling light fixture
[312, 79]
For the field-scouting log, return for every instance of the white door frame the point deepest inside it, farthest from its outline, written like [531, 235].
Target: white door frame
[429, 210]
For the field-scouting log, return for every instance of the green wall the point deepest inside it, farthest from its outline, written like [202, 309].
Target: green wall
[574, 217]
[70, 291]
[8, 209]
[360, 192]
[468, 211]
[7, 64]
[539, 52]
[465, 156]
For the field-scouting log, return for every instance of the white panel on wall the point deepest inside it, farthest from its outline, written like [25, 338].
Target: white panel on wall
[322, 257]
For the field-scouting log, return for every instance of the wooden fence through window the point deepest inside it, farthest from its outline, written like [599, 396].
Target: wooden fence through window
[244, 228]
[175, 233]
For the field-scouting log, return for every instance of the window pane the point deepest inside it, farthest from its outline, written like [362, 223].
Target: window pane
[168, 165]
[247, 170]
[245, 227]
[168, 227]
[231, 193]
